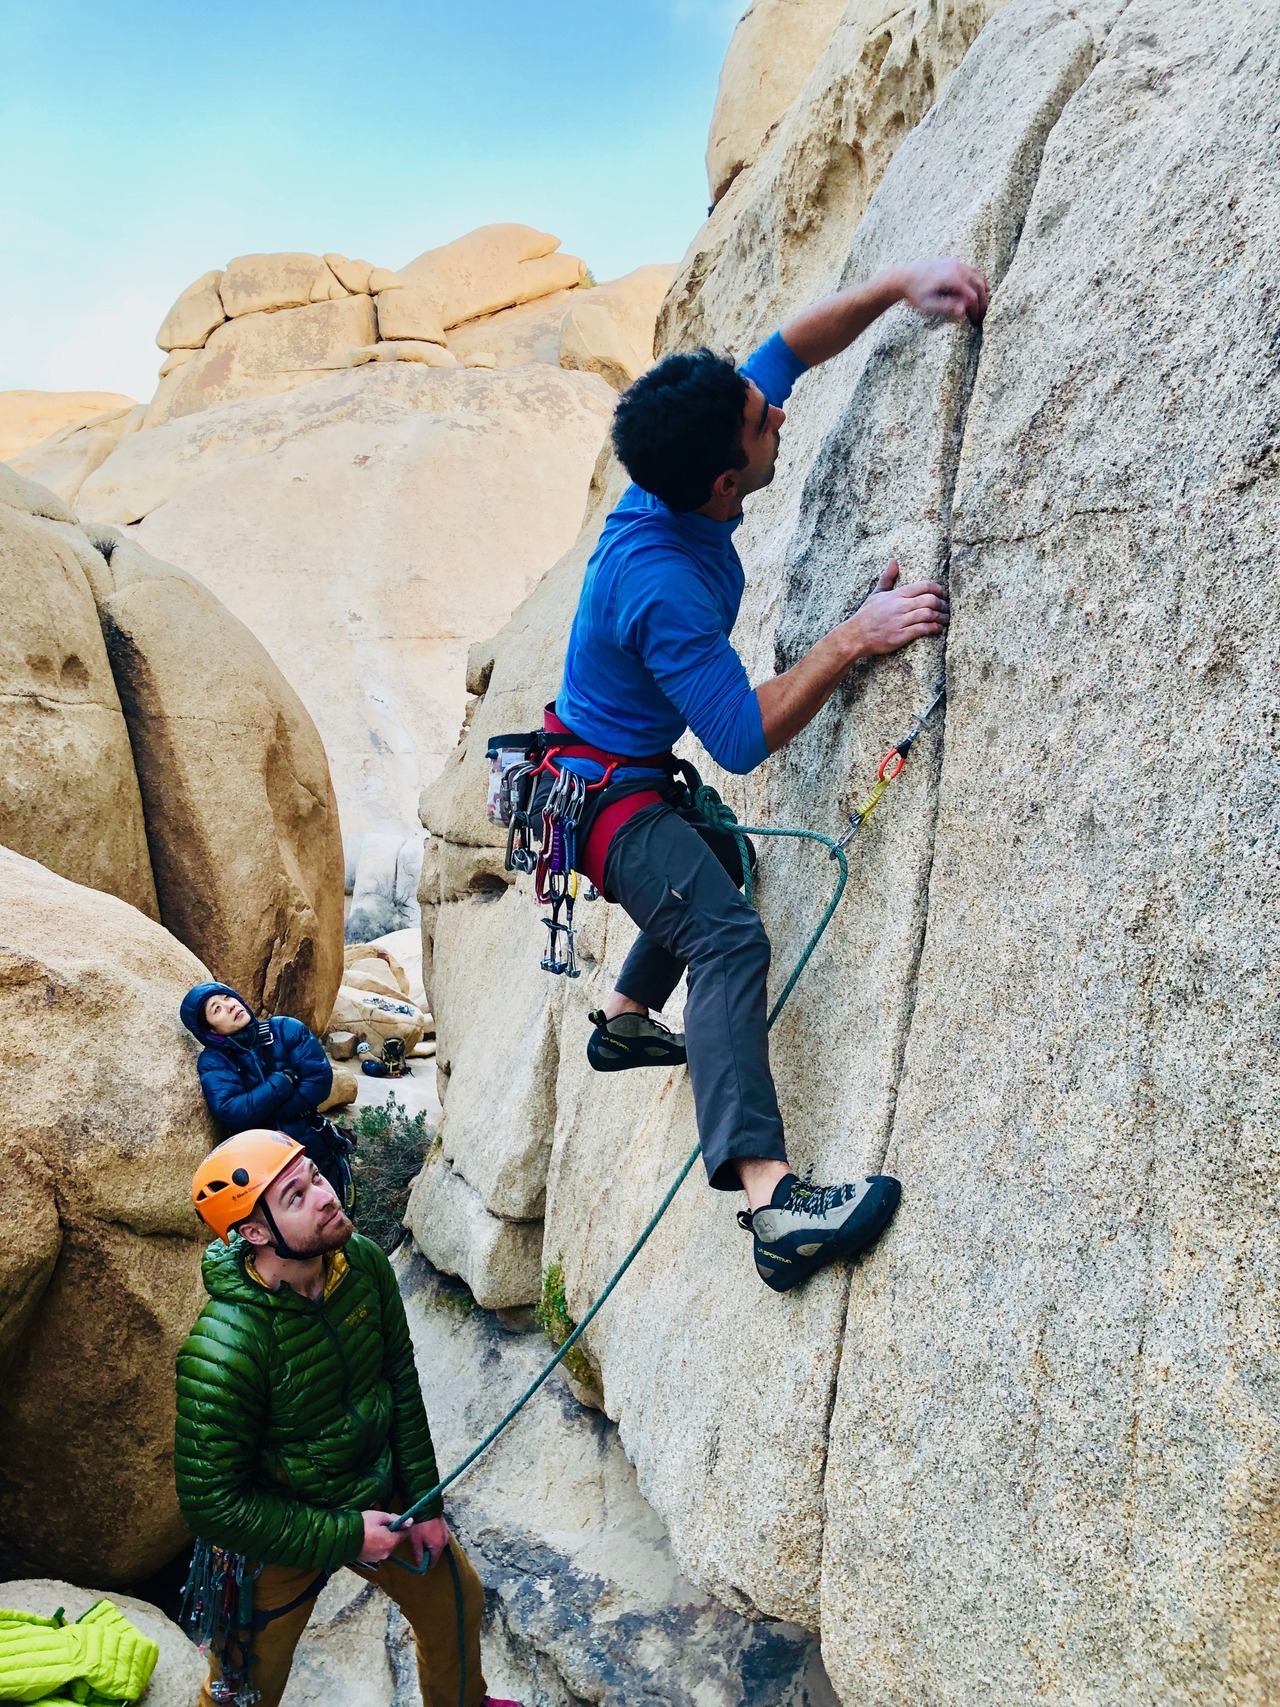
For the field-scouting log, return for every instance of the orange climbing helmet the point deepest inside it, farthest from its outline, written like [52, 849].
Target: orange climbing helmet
[232, 1177]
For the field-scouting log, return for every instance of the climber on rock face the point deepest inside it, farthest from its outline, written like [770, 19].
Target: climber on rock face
[649, 656]
[301, 1430]
[258, 1073]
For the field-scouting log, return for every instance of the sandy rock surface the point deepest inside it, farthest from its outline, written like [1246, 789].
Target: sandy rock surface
[100, 1254]
[586, 1601]
[270, 502]
[180, 1670]
[1022, 1453]
[493, 267]
[780, 235]
[405, 949]
[373, 1017]
[259, 354]
[241, 818]
[26, 417]
[194, 315]
[257, 284]
[776, 45]
[64, 461]
[68, 789]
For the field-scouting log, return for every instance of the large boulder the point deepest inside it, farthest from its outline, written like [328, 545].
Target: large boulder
[68, 788]
[152, 749]
[260, 284]
[196, 313]
[256, 355]
[471, 482]
[1025, 1452]
[65, 460]
[104, 1124]
[609, 330]
[780, 233]
[774, 48]
[26, 417]
[241, 818]
[180, 1670]
[490, 268]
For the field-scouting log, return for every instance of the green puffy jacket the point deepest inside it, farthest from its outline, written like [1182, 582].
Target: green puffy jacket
[294, 1416]
[99, 1661]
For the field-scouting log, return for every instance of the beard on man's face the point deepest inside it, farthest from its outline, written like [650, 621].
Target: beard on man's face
[331, 1237]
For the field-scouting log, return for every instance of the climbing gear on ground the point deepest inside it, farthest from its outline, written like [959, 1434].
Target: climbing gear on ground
[234, 1175]
[100, 1660]
[806, 1226]
[217, 1614]
[393, 1054]
[632, 1040]
[893, 764]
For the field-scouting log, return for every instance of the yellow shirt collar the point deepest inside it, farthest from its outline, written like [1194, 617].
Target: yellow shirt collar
[335, 1266]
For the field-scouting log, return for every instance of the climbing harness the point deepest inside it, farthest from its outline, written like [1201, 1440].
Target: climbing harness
[719, 817]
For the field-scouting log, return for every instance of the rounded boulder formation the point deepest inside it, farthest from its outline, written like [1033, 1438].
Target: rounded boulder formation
[100, 1249]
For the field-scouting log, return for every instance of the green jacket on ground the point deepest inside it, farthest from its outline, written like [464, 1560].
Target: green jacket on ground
[294, 1416]
[99, 1661]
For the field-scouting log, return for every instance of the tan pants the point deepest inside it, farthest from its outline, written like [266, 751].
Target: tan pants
[428, 1602]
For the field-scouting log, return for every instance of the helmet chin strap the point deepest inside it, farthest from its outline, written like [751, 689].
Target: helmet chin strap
[282, 1247]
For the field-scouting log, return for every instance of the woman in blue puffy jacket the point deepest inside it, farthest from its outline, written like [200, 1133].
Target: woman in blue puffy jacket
[260, 1073]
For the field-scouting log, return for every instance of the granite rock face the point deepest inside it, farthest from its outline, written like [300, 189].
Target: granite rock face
[27, 417]
[774, 48]
[1025, 1452]
[100, 1255]
[68, 787]
[366, 527]
[585, 1602]
[150, 748]
[241, 817]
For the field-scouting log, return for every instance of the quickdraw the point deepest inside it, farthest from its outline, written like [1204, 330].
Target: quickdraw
[891, 765]
[515, 764]
[217, 1613]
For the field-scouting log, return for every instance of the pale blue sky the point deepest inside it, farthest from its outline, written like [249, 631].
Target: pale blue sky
[143, 143]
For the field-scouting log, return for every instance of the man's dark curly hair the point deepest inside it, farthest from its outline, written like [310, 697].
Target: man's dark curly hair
[680, 426]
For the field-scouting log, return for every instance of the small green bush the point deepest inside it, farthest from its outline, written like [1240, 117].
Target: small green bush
[552, 1315]
[392, 1147]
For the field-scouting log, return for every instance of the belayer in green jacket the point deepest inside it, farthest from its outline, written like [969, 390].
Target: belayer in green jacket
[301, 1430]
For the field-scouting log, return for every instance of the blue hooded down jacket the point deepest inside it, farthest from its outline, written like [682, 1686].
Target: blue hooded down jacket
[251, 1081]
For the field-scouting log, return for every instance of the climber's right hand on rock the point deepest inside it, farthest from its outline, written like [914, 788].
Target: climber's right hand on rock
[893, 616]
[380, 1540]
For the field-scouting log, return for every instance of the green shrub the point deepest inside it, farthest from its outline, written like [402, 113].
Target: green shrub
[392, 1147]
[552, 1315]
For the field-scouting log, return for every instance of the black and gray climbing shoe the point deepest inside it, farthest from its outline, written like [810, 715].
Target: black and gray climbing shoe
[632, 1040]
[806, 1226]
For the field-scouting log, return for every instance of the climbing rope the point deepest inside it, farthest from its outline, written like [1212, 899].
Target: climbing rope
[720, 817]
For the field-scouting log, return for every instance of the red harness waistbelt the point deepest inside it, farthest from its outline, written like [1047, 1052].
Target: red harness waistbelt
[610, 818]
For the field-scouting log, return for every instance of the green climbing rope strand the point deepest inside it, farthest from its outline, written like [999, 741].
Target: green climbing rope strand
[719, 817]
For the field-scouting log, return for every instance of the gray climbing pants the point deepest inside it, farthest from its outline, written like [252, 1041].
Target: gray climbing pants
[691, 915]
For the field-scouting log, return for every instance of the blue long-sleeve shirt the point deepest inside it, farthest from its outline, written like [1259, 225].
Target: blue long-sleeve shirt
[649, 652]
